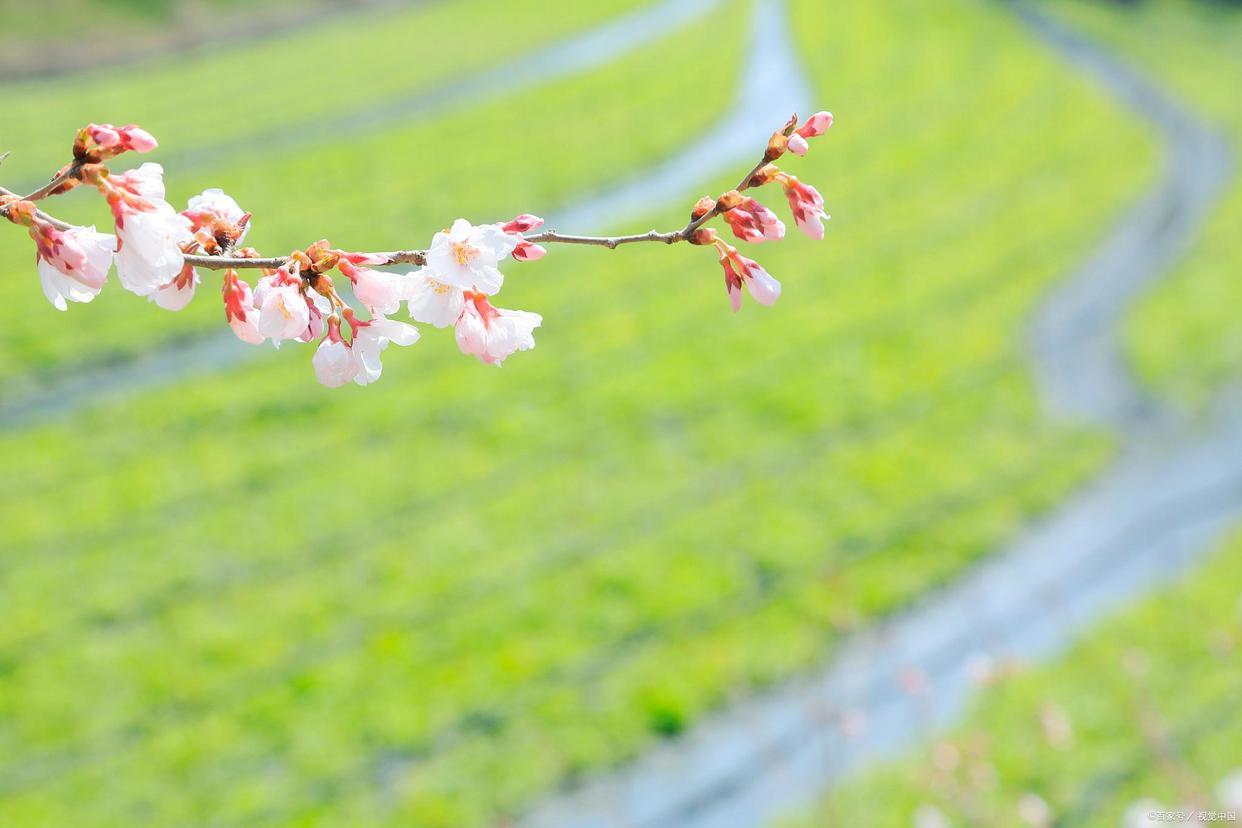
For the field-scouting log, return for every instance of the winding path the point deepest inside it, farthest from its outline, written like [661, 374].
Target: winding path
[1174, 490]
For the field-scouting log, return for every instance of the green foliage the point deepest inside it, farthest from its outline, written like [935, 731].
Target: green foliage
[428, 601]
[1184, 337]
[1171, 662]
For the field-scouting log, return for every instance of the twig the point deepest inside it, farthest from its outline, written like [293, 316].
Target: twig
[415, 257]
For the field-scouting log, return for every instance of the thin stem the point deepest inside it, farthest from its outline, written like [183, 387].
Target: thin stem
[415, 257]
[52, 220]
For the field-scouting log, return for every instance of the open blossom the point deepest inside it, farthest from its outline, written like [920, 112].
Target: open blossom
[73, 264]
[752, 222]
[739, 271]
[284, 312]
[492, 334]
[239, 308]
[149, 232]
[814, 126]
[381, 292]
[466, 256]
[371, 338]
[434, 303]
[177, 294]
[807, 206]
[217, 221]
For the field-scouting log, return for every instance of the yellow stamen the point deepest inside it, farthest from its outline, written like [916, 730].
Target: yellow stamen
[464, 253]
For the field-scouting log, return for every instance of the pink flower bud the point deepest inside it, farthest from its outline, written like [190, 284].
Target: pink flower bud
[797, 144]
[752, 222]
[807, 206]
[817, 124]
[104, 135]
[527, 252]
[739, 271]
[137, 139]
[522, 224]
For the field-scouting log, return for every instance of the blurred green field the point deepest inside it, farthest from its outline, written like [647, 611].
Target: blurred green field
[1184, 337]
[428, 601]
[1168, 664]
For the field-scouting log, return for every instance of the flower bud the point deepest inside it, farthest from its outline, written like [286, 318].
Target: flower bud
[702, 207]
[764, 175]
[815, 125]
[730, 200]
[790, 125]
[137, 139]
[103, 135]
[528, 252]
[522, 224]
[776, 146]
[797, 144]
[703, 235]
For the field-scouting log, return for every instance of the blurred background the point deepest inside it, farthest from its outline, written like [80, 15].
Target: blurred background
[474, 597]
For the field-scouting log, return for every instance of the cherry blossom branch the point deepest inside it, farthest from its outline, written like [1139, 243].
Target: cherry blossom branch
[158, 252]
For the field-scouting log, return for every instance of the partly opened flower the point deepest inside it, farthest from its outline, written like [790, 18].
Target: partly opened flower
[807, 206]
[334, 360]
[283, 310]
[381, 292]
[239, 308]
[752, 222]
[75, 265]
[149, 232]
[433, 302]
[371, 338]
[492, 334]
[467, 256]
[177, 294]
[739, 271]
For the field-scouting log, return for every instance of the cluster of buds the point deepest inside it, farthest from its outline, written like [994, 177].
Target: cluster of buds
[158, 250]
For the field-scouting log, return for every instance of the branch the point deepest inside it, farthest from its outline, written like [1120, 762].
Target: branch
[157, 250]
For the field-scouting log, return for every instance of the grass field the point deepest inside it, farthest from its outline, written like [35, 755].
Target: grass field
[429, 601]
[1167, 665]
[1184, 337]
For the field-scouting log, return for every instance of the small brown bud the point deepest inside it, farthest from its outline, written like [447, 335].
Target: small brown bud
[776, 146]
[790, 125]
[764, 175]
[702, 207]
[323, 285]
[92, 174]
[730, 200]
[703, 235]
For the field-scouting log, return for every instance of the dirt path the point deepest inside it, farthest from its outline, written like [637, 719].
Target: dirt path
[1154, 514]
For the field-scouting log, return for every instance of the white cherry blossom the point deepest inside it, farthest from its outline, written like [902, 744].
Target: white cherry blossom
[283, 311]
[467, 256]
[434, 303]
[493, 334]
[370, 340]
[76, 267]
